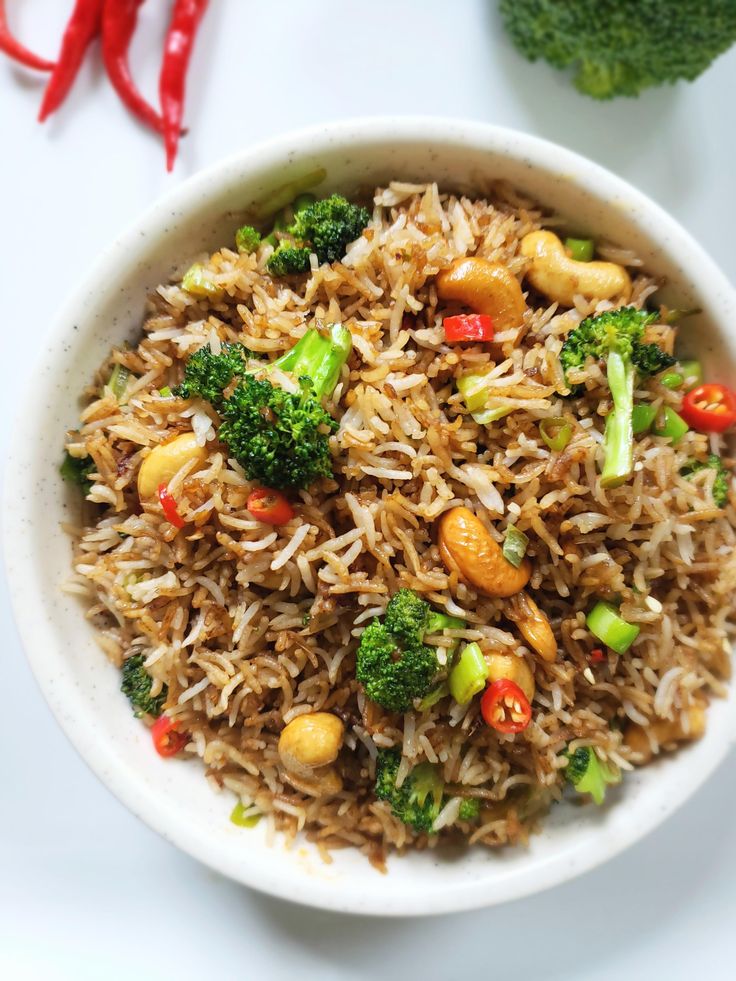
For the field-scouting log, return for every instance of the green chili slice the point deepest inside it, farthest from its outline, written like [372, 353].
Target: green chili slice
[514, 546]
[556, 433]
[469, 675]
[605, 622]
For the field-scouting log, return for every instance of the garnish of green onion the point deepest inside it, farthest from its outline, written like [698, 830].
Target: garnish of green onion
[642, 417]
[556, 433]
[165, 392]
[514, 546]
[580, 249]
[240, 816]
[491, 415]
[468, 676]
[196, 282]
[606, 623]
[673, 426]
[692, 372]
[672, 379]
[118, 383]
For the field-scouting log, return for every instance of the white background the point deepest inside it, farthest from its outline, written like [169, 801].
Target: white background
[86, 891]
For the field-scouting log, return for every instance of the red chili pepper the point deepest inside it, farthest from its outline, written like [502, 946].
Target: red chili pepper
[17, 51]
[269, 506]
[170, 510]
[596, 656]
[82, 28]
[167, 741]
[505, 707]
[119, 19]
[709, 408]
[185, 20]
[468, 327]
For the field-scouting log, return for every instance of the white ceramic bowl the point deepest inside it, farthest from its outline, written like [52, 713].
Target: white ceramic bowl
[82, 687]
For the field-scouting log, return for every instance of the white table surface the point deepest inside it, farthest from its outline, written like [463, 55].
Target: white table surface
[88, 892]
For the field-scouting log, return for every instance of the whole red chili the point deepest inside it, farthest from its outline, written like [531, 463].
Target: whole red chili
[17, 51]
[168, 504]
[185, 20]
[119, 19]
[81, 29]
[505, 707]
[269, 506]
[166, 740]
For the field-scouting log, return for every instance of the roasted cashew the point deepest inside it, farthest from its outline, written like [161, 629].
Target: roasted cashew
[533, 624]
[513, 667]
[165, 460]
[561, 278]
[324, 782]
[310, 741]
[665, 731]
[485, 287]
[467, 548]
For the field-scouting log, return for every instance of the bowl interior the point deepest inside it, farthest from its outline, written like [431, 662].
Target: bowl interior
[82, 687]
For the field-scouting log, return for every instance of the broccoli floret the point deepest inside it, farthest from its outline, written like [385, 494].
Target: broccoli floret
[325, 228]
[394, 665]
[588, 775]
[76, 470]
[136, 686]
[418, 800]
[619, 47]
[281, 438]
[469, 809]
[207, 375]
[247, 239]
[720, 482]
[616, 338]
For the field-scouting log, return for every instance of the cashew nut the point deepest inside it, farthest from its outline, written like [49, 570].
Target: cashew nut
[665, 731]
[561, 278]
[311, 741]
[467, 548]
[514, 668]
[485, 287]
[324, 782]
[534, 625]
[167, 459]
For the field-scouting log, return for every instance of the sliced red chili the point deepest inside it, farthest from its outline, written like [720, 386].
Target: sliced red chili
[168, 505]
[710, 408]
[596, 656]
[17, 51]
[82, 28]
[505, 707]
[468, 327]
[269, 506]
[166, 740]
[119, 19]
[185, 20]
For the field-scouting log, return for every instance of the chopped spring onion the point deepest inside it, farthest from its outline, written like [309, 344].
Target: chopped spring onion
[556, 433]
[642, 417]
[514, 546]
[672, 379]
[605, 623]
[244, 817]
[692, 372]
[438, 693]
[196, 282]
[468, 676]
[673, 426]
[580, 249]
[165, 392]
[118, 383]
[589, 775]
[474, 391]
[491, 415]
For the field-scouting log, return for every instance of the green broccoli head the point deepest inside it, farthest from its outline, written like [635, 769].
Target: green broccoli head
[247, 239]
[469, 809]
[288, 260]
[589, 775]
[619, 47]
[418, 801]
[207, 375]
[324, 228]
[721, 480]
[136, 685]
[393, 664]
[77, 470]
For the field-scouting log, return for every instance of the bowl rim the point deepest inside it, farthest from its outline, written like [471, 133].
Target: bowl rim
[125, 783]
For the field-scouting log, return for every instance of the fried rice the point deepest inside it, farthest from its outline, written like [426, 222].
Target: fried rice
[250, 625]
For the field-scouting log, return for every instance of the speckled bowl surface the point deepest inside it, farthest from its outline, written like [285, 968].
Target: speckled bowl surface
[82, 687]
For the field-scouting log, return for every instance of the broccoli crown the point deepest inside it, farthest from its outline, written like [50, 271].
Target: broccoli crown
[247, 239]
[136, 686]
[720, 482]
[418, 800]
[279, 438]
[288, 260]
[76, 470]
[469, 809]
[393, 664]
[619, 47]
[207, 375]
[615, 330]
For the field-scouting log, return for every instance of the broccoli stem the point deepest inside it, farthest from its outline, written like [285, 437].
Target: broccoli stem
[320, 356]
[618, 441]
